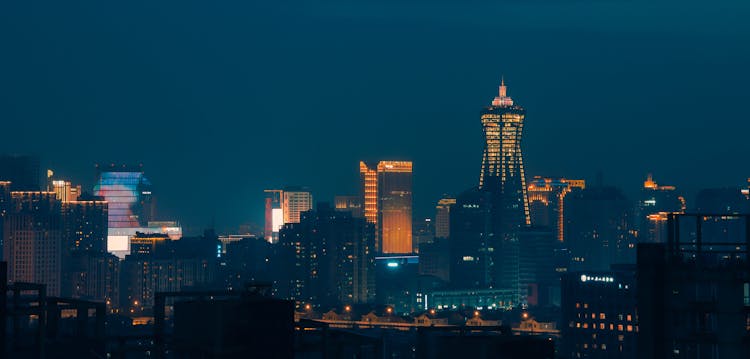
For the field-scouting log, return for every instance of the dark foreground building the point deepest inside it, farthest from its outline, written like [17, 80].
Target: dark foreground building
[598, 314]
[249, 326]
[694, 291]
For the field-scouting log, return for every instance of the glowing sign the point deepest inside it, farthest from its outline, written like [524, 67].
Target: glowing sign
[604, 279]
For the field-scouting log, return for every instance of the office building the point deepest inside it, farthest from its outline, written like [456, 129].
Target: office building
[33, 237]
[23, 171]
[387, 196]
[86, 224]
[502, 161]
[295, 200]
[694, 290]
[599, 316]
[443, 217]
[547, 202]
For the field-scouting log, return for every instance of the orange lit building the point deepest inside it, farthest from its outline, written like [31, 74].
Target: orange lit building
[547, 199]
[387, 197]
[502, 170]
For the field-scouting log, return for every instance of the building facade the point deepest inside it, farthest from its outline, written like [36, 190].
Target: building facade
[387, 196]
[33, 240]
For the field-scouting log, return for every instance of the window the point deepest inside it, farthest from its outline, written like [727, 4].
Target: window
[602, 316]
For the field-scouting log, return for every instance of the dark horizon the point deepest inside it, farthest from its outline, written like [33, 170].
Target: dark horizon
[221, 101]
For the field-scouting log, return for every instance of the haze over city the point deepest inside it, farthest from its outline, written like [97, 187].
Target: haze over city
[221, 101]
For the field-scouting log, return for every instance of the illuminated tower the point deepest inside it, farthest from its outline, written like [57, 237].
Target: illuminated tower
[386, 193]
[502, 161]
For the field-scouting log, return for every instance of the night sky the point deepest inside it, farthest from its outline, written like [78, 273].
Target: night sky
[221, 99]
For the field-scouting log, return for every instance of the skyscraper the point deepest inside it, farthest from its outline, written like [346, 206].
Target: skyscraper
[502, 161]
[274, 215]
[387, 197]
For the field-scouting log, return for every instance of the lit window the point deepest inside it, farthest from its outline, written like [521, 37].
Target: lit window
[619, 327]
[601, 325]
[630, 317]
[630, 328]
[602, 316]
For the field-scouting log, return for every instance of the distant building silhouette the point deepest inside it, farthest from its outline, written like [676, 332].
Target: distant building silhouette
[598, 228]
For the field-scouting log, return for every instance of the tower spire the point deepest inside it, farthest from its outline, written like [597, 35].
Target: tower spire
[503, 88]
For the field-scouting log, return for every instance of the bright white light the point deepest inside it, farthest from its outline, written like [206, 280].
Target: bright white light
[277, 219]
[118, 243]
[583, 278]
[392, 264]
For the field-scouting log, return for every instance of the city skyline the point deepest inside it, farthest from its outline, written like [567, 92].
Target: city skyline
[211, 112]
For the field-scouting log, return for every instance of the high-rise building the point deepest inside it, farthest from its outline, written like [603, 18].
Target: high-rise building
[85, 224]
[128, 193]
[694, 290]
[387, 197]
[599, 228]
[331, 258]
[471, 241]
[23, 171]
[295, 200]
[547, 202]
[539, 281]
[502, 161]
[443, 217]
[284, 206]
[33, 237]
